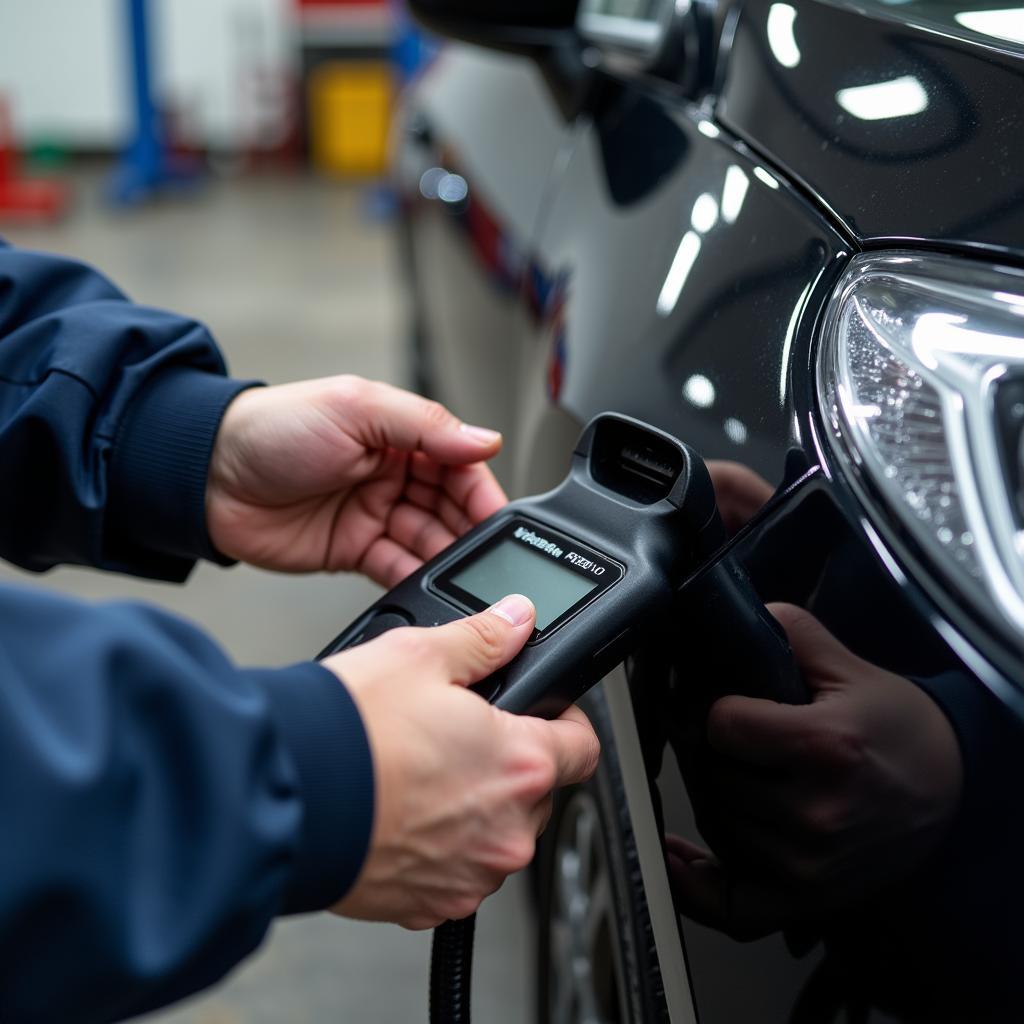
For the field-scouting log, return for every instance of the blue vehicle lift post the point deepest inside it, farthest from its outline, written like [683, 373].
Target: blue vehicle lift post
[146, 167]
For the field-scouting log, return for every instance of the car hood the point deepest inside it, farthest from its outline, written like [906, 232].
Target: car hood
[903, 131]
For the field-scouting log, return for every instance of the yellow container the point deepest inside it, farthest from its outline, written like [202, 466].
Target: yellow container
[350, 106]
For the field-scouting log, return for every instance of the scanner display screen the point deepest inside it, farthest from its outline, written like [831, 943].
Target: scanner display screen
[510, 567]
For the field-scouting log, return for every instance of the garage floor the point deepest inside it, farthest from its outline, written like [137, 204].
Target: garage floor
[296, 281]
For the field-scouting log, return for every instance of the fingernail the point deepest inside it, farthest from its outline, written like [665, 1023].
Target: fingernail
[514, 609]
[480, 434]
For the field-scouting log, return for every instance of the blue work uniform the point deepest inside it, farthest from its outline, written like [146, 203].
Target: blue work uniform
[158, 805]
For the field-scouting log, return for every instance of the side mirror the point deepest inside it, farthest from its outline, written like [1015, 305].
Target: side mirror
[523, 26]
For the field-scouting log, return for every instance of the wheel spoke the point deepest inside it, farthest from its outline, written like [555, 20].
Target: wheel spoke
[568, 880]
[561, 944]
[599, 911]
[590, 1013]
[562, 995]
[586, 835]
[582, 915]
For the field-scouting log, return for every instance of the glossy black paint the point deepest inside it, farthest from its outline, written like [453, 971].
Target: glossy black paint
[948, 174]
[469, 261]
[711, 362]
[726, 362]
[936, 946]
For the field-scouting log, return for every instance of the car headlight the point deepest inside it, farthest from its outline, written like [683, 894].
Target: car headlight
[921, 375]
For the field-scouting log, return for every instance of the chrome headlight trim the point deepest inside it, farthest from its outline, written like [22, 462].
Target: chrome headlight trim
[914, 347]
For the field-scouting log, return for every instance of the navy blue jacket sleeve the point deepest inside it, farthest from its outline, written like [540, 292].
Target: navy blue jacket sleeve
[108, 414]
[159, 806]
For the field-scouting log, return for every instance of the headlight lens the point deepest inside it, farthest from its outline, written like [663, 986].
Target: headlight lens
[921, 374]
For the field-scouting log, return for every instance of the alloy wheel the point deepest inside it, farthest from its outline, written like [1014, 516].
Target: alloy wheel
[587, 983]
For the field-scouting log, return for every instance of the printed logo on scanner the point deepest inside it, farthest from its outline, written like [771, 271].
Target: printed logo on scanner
[585, 563]
[549, 547]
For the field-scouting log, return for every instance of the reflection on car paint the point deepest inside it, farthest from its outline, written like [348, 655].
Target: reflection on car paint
[496, 248]
[678, 274]
[897, 131]
[898, 904]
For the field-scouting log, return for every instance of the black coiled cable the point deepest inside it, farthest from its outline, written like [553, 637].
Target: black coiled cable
[451, 971]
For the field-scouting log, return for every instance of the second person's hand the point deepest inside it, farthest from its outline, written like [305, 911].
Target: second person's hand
[462, 790]
[346, 474]
[829, 801]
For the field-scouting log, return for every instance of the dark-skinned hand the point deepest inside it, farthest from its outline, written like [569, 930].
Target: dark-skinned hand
[818, 805]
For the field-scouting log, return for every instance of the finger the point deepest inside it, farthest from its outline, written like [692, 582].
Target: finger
[762, 732]
[681, 847]
[460, 652]
[423, 495]
[432, 500]
[418, 531]
[541, 814]
[454, 517]
[573, 744]
[475, 490]
[471, 490]
[707, 893]
[426, 470]
[821, 656]
[471, 649]
[394, 418]
[764, 848]
[457, 481]
[574, 713]
[388, 563]
[787, 800]
[739, 491]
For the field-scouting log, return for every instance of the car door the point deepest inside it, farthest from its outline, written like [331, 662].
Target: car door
[481, 134]
[693, 238]
[684, 280]
[675, 267]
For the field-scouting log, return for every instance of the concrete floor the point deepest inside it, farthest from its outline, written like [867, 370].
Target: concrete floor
[295, 282]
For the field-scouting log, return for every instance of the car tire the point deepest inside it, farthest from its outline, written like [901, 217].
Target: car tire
[596, 959]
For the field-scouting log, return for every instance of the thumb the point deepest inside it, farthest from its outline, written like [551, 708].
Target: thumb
[818, 653]
[472, 648]
[765, 732]
[394, 418]
[706, 892]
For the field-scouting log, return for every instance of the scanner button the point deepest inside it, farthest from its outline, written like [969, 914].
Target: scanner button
[383, 623]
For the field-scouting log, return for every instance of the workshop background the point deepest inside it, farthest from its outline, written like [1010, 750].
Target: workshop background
[227, 159]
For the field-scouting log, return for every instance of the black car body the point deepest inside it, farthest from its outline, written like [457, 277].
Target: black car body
[706, 216]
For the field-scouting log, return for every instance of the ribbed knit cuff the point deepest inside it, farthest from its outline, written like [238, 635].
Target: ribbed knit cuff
[323, 732]
[159, 466]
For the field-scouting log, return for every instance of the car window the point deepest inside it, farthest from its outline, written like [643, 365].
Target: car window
[646, 10]
[983, 20]
[635, 24]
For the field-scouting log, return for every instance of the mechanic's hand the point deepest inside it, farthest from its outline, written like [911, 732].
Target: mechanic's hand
[823, 803]
[462, 789]
[345, 473]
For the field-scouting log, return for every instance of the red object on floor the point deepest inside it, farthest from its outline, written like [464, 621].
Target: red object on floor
[24, 199]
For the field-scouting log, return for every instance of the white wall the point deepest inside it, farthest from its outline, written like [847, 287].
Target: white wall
[63, 65]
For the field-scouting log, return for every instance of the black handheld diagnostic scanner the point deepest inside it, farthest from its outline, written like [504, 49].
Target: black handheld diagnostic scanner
[600, 556]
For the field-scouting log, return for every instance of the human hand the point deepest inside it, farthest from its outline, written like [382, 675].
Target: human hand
[739, 492]
[815, 806]
[345, 473]
[462, 789]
